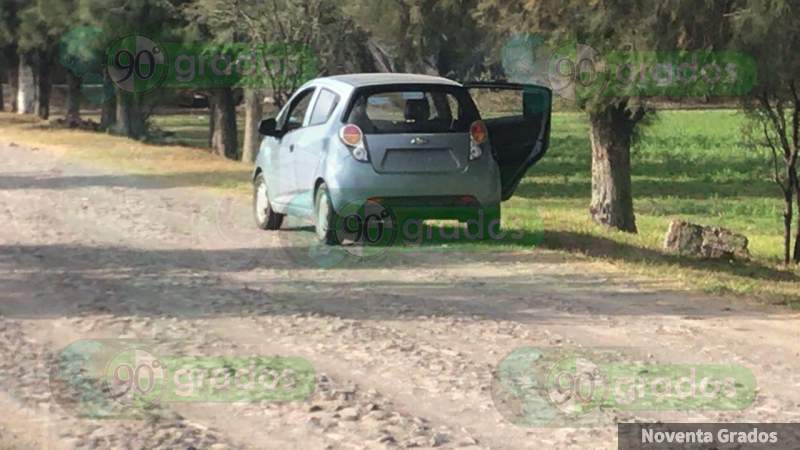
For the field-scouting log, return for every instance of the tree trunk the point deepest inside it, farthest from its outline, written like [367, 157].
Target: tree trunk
[108, 112]
[13, 84]
[797, 235]
[2, 97]
[26, 92]
[406, 51]
[612, 198]
[796, 181]
[787, 226]
[73, 114]
[43, 86]
[254, 112]
[224, 141]
[212, 125]
[130, 118]
[11, 72]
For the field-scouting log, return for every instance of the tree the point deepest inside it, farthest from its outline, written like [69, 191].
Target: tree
[768, 31]
[288, 37]
[620, 28]
[428, 36]
[9, 52]
[218, 22]
[83, 52]
[42, 22]
[285, 40]
[118, 19]
[9, 23]
[80, 52]
[254, 111]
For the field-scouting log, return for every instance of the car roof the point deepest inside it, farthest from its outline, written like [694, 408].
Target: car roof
[372, 79]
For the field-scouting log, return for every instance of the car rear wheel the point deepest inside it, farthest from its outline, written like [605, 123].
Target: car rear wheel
[266, 217]
[325, 216]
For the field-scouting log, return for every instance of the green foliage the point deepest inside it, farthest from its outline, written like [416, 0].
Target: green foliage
[609, 27]
[769, 32]
[8, 21]
[156, 19]
[423, 35]
[291, 40]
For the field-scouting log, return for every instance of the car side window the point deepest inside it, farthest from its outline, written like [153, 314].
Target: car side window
[326, 103]
[297, 112]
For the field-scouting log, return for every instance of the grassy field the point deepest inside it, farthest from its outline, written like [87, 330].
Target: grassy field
[688, 164]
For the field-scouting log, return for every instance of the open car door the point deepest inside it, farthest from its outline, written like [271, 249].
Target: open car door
[518, 119]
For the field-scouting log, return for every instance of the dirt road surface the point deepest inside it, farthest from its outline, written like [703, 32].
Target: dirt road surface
[404, 345]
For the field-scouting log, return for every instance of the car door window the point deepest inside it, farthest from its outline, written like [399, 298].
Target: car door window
[518, 120]
[326, 103]
[297, 112]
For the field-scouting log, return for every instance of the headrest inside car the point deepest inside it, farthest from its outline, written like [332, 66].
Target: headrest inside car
[417, 110]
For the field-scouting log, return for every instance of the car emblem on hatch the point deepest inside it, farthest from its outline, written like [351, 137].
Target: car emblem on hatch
[419, 141]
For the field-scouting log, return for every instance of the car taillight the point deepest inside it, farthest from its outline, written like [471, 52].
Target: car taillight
[478, 136]
[478, 132]
[352, 136]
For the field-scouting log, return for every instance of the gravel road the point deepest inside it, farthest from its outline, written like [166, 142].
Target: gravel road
[404, 345]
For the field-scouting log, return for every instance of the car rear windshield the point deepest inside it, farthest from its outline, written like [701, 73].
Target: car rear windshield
[413, 109]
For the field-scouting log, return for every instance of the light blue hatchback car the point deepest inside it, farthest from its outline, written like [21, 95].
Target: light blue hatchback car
[416, 145]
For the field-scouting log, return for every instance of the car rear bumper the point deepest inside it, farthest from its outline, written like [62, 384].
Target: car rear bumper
[428, 195]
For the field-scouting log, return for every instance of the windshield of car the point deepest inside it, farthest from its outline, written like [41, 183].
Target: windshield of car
[426, 109]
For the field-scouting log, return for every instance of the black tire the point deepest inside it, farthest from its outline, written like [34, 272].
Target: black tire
[325, 218]
[266, 219]
[485, 225]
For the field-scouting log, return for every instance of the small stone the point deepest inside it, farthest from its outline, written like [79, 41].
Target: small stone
[418, 441]
[469, 440]
[387, 439]
[437, 440]
[349, 414]
[314, 422]
[379, 415]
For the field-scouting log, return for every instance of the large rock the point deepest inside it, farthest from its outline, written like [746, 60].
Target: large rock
[688, 239]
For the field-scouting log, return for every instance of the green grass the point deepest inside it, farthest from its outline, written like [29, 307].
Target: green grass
[189, 130]
[688, 165]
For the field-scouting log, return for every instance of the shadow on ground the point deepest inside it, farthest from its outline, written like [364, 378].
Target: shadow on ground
[76, 281]
[139, 181]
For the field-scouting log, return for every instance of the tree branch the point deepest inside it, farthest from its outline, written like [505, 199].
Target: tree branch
[278, 21]
[777, 122]
[774, 151]
[795, 120]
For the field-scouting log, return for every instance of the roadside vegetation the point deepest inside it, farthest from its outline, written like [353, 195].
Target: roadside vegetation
[691, 165]
[625, 159]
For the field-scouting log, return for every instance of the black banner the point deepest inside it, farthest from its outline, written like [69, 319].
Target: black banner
[709, 436]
